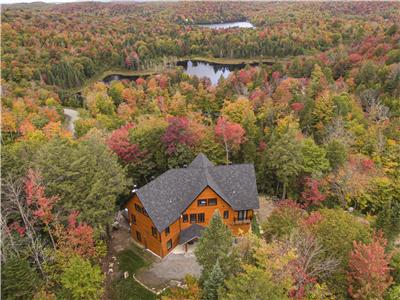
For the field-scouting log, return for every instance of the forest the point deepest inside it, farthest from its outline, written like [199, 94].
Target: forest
[321, 124]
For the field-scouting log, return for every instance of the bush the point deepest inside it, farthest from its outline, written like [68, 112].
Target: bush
[81, 280]
[283, 220]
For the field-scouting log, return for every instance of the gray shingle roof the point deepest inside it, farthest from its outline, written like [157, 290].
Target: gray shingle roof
[167, 196]
[190, 233]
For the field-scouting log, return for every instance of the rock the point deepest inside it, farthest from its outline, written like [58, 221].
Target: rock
[126, 275]
[113, 258]
[110, 271]
[111, 265]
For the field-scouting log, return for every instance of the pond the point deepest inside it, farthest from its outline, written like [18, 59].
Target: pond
[201, 69]
[243, 24]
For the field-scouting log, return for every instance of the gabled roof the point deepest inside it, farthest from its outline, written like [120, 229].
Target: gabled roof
[166, 197]
[190, 233]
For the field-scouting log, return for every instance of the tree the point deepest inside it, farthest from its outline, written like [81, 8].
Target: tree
[81, 280]
[253, 284]
[19, 280]
[285, 158]
[369, 274]
[314, 160]
[286, 217]
[336, 153]
[86, 176]
[336, 231]
[120, 144]
[213, 283]
[231, 134]
[214, 245]
[311, 194]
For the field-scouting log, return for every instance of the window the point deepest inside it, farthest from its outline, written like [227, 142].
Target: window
[138, 208]
[212, 201]
[167, 230]
[200, 218]
[226, 214]
[202, 202]
[241, 215]
[169, 244]
[185, 218]
[138, 236]
[133, 219]
[154, 231]
[193, 218]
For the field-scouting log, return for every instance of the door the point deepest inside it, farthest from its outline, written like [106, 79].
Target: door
[241, 215]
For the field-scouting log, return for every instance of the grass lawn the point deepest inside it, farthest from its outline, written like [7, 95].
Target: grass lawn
[126, 289]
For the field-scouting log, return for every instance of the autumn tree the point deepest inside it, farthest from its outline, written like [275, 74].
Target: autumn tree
[369, 274]
[232, 135]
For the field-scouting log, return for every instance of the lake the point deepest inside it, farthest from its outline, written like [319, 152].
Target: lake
[201, 69]
[244, 24]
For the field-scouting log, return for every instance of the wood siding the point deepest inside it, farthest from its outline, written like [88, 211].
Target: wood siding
[159, 246]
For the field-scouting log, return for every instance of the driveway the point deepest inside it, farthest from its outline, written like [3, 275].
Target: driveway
[72, 116]
[173, 267]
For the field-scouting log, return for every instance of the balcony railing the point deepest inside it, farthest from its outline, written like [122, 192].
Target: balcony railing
[242, 220]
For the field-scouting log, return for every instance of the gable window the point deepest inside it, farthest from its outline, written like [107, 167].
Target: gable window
[200, 218]
[226, 214]
[154, 231]
[167, 230]
[133, 219]
[185, 218]
[202, 202]
[212, 202]
[138, 236]
[193, 218]
[169, 244]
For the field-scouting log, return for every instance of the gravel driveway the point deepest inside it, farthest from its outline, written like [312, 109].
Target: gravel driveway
[173, 267]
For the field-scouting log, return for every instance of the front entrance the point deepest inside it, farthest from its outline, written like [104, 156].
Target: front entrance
[187, 248]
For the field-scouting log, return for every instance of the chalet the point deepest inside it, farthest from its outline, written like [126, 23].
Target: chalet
[175, 207]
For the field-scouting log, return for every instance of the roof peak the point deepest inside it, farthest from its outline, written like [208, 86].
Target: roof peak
[201, 161]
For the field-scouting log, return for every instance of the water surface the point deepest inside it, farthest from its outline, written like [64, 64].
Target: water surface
[244, 24]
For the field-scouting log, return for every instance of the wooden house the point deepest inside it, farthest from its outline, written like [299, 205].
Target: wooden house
[175, 207]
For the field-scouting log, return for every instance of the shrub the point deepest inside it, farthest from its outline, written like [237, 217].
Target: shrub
[283, 219]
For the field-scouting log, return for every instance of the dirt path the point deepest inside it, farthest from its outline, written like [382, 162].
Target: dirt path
[72, 116]
[266, 206]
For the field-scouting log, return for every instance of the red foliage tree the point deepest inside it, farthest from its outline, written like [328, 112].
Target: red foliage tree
[79, 237]
[231, 134]
[311, 194]
[35, 197]
[178, 132]
[369, 276]
[120, 144]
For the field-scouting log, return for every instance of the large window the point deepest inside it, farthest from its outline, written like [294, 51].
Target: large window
[193, 218]
[200, 218]
[167, 230]
[185, 218]
[169, 244]
[212, 202]
[138, 236]
[154, 231]
[226, 214]
[133, 219]
[242, 215]
[202, 202]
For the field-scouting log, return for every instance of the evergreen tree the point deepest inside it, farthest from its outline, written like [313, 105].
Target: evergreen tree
[18, 279]
[215, 244]
[213, 283]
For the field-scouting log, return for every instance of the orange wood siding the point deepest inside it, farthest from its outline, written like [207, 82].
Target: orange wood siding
[143, 225]
[159, 245]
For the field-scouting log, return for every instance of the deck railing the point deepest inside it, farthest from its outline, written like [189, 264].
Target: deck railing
[242, 220]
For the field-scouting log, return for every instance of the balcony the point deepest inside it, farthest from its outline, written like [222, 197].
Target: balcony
[238, 221]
